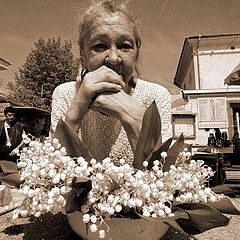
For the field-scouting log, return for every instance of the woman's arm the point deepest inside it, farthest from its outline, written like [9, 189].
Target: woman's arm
[124, 108]
[101, 80]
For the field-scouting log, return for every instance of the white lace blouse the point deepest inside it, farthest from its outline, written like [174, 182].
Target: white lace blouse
[104, 135]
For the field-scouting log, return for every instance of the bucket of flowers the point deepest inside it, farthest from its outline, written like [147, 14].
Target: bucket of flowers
[162, 187]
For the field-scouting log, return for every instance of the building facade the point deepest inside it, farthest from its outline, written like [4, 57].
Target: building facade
[205, 62]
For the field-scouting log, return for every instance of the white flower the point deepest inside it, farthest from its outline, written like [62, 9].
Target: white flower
[110, 210]
[100, 176]
[207, 190]
[50, 201]
[118, 208]
[122, 161]
[102, 233]
[139, 202]
[93, 219]
[163, 155]
[132, 203]
[146, 213]
[86, 218]
[15, 214]
[63, 190]
[213, 198]
[161, 213]
[156, 162]
[37, 214]
[93, 161]
[48, 172]
[93, 227]
[145, 163]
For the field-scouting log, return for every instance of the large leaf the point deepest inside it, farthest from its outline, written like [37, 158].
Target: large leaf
[201, 218]
[158, 150]
[5, 196]
[12, 179]
[225, 205]
[128, 212]
[82, 182]
[173, 153]
[8, 166]
[72, 203]
[178, 213]
[172, 221]
[78, 195]
[149, 135]
[71, 141]
[223, 189]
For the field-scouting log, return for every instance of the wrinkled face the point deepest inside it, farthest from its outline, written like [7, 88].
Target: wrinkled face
[111, 42]
[10, 117]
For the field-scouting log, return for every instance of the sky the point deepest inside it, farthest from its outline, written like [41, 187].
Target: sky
[164, 25]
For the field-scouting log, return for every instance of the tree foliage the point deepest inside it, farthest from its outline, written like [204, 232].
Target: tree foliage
[49, 64]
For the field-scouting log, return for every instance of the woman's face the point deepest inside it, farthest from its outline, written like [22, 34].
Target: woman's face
[111, 42]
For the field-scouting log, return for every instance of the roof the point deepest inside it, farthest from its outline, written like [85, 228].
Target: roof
[31, 110]
[4, 64]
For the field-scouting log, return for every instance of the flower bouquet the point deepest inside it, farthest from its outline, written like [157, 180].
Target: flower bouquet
[162, 187]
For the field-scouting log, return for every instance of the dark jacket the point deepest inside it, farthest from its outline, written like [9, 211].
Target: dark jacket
[15, 134]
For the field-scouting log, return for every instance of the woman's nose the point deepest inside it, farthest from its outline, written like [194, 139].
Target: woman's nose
[113, 57]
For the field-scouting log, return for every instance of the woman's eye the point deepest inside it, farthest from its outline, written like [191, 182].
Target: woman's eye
[125, 46]
[99, 47]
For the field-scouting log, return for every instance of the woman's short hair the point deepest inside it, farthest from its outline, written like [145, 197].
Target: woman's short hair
[101, 8]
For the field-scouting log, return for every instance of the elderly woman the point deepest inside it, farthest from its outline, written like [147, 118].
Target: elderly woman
[106, 106]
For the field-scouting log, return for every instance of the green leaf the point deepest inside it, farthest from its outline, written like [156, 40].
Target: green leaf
[158, 150]
[149, 136]
[201, 218]
[82, 182]
[173, 153]
[128, 212]
[78, 195]
[178, 213]
[222, 189]
[5, 196]
[8, 166]
[72, 203]
[12, 179]
[71, 141]
[176, 226]
[225, 205]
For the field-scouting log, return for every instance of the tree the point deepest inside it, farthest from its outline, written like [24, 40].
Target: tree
[49, 64]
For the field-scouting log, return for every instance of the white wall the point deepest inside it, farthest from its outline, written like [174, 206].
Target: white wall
[215, 66]
[189, 79]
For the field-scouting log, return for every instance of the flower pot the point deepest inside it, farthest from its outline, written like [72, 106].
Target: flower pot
[120, 228]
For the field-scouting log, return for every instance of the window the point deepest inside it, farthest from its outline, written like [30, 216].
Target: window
[184, 124]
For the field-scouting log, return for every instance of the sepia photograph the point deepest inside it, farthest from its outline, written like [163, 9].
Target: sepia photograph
[119, 119]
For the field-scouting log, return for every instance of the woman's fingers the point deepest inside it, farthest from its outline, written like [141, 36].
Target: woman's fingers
[103, 74]
[105, 87]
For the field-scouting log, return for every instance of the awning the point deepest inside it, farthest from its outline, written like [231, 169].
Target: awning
[234, 77]
[31, 110]
[179, 100]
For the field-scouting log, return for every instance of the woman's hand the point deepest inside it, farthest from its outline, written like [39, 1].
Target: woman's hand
[101, 80]
[96, 82]
[123, 107]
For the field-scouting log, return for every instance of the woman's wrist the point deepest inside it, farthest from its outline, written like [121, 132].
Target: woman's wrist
[77, 111]
[132, 123]
[74, 117]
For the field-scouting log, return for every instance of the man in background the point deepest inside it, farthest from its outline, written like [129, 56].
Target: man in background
[11, 136]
